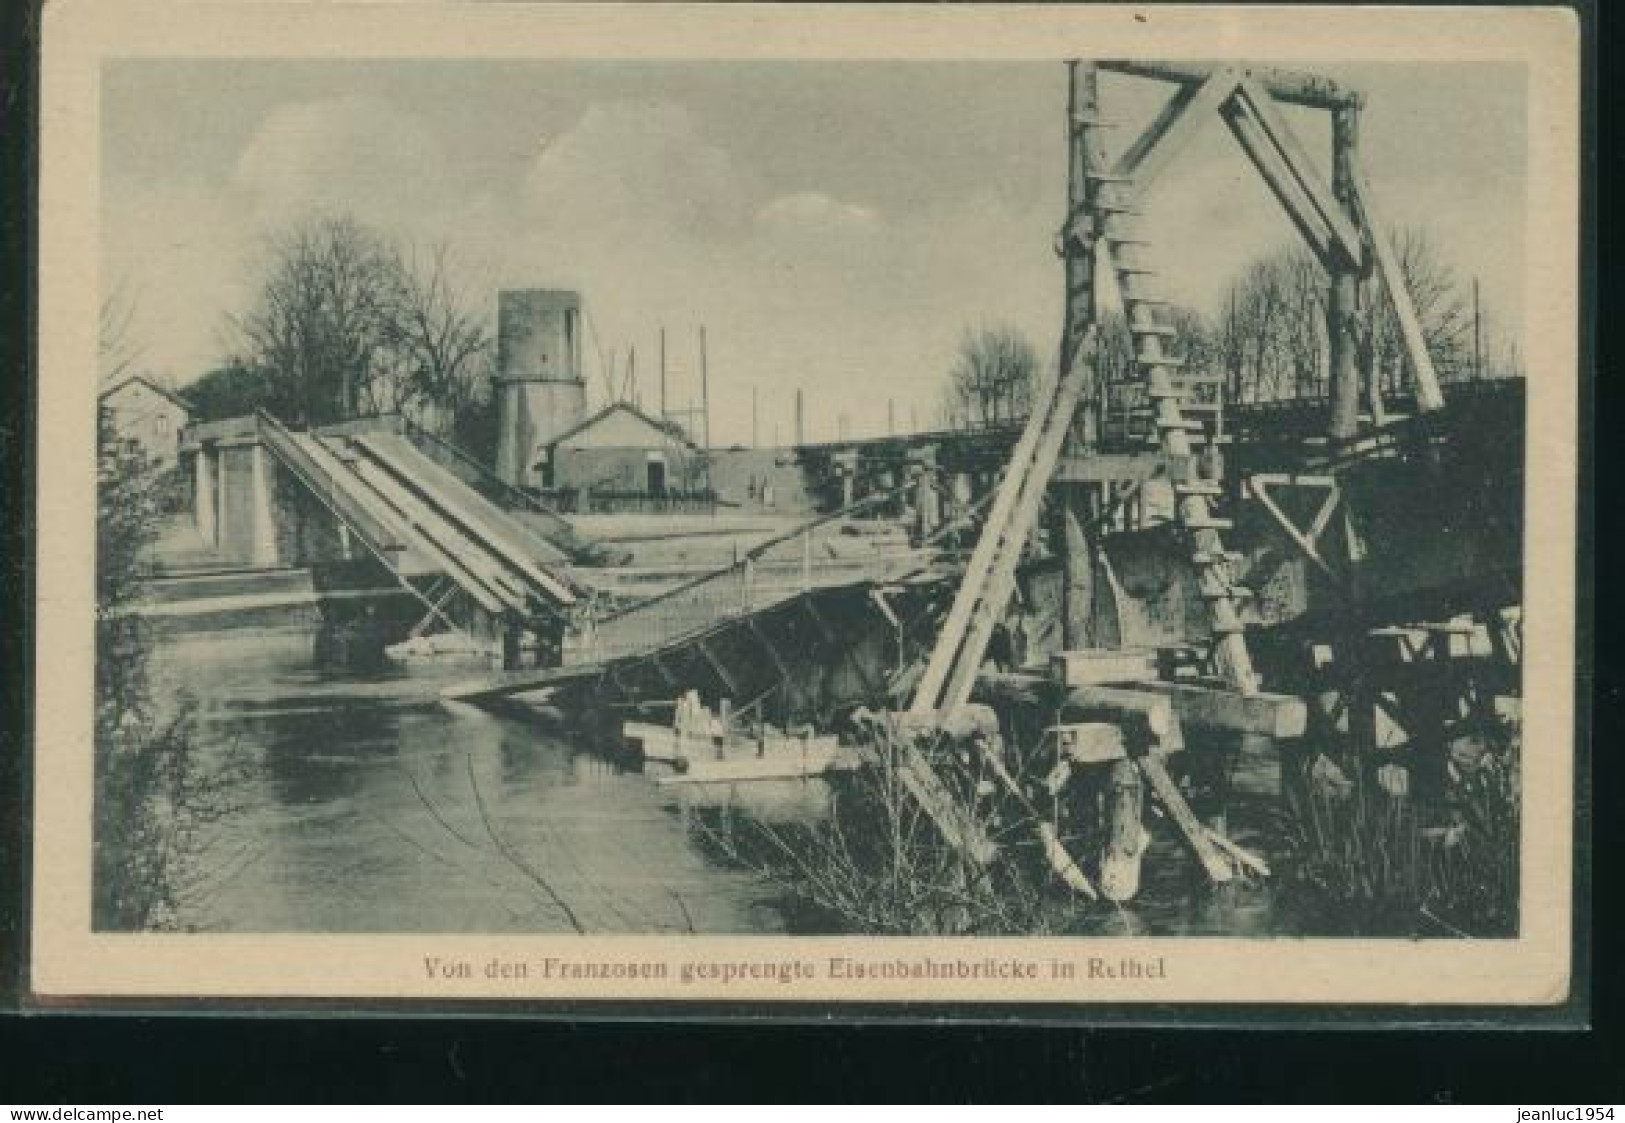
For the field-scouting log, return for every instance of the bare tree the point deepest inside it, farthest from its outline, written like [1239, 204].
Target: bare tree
[1442, 307]
[439, 347]
[993, 377]
[317, 332]
[348, 322]
[1271, 339]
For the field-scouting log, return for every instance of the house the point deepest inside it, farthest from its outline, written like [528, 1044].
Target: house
[146, 416]
[622, 451]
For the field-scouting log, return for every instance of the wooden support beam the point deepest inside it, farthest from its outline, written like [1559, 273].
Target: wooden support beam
[1429, 397]
[1150, 715]
[1345, 238]
[1099, 742]
[716, 666]
[1101, 666]
[767, 645]
[825, 632]
[1250, 133]
[1077, 567]
[1126, 837]
[1196, 835]
[665, 671]
[1118, 467]
[1173, 128]
[1267, 715]
[960, 830]
[1294, 87]
[1308, 544]
[1348, 318]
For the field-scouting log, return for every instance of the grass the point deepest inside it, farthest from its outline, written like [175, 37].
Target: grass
[1379, 859]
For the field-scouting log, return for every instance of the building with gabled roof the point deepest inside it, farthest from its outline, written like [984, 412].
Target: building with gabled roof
[145, 415]
[622, 450]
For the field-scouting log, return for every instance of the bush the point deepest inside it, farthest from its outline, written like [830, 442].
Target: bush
[876, 864]
[154, 795]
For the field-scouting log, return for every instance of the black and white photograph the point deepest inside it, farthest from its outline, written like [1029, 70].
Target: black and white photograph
[1081, 498]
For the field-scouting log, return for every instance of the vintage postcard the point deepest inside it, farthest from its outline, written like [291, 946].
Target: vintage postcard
[959, 504]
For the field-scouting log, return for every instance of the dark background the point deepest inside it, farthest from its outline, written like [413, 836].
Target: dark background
[132, 1058]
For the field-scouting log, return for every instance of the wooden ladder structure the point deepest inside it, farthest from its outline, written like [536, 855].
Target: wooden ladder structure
[1175, 403]
[1338, 223]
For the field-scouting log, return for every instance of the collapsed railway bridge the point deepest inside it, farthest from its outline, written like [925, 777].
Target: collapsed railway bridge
[1104, 601]
[1152, 569]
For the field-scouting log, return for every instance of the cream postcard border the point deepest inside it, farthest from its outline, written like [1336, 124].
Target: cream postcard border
[68, 960]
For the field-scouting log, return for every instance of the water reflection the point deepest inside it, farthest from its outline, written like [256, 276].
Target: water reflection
[375, 806]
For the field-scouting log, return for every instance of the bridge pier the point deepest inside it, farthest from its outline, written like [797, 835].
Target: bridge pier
[205, 497]
[261, 490]
[238, 507]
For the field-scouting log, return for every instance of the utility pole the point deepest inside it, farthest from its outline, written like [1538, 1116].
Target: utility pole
[801, 420]
[891, 418]
[662, 372]
[1478, 346]
[753, 442]
[705, 392]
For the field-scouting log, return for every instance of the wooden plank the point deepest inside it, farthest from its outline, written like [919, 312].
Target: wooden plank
[1000, 584]
[1099, 742]
[1097, 666]
[1195, 834]
[1117, 467]
[999, 522]
[1267, 715]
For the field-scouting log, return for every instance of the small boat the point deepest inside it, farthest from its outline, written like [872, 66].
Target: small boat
[442, 647]
[702, 749]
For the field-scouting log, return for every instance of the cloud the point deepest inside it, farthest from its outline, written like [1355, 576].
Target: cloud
[628, 166]
[652, 220]
[812, 214]
[353, 153]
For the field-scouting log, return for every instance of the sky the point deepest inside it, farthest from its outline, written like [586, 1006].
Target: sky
[835, 226]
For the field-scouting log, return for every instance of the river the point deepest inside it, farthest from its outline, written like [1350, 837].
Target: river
[367, 804]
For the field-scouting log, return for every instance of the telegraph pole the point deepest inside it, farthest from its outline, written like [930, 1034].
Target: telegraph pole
[753, 442]
[705, 392]
[662, 372]
[1478, 346]
[801, 420]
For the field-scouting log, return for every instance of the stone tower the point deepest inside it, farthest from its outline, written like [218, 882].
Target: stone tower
[539, 386]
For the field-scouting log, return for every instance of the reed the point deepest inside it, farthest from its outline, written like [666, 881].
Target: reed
[1378, 858]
